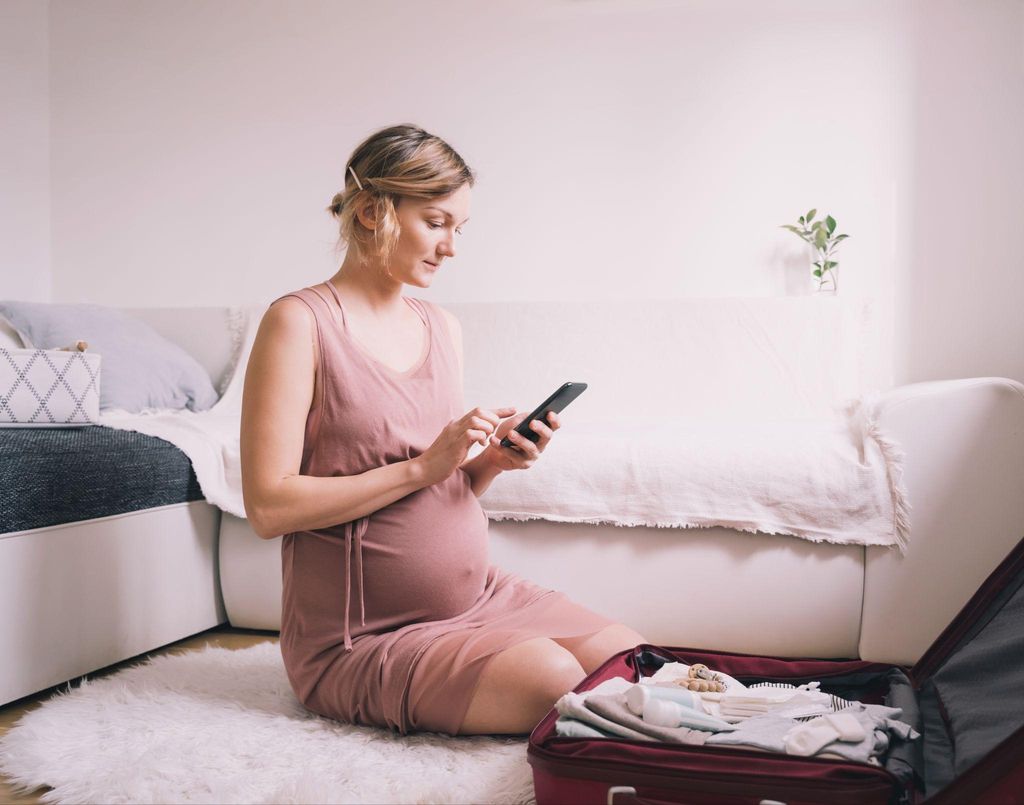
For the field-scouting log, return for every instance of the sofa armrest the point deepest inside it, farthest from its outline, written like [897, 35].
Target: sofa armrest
[964, 475]
[250, 575]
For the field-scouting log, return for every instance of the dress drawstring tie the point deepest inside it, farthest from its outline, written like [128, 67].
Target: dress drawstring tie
[354, 533]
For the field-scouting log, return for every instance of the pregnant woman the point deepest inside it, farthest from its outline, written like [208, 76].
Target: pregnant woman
[354, 447]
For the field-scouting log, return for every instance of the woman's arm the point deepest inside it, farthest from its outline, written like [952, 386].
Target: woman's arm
[481, 472]
[279, 385]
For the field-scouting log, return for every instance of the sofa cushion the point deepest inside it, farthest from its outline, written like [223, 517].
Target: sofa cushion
[64, 475]
[9, 338]
[141, 369]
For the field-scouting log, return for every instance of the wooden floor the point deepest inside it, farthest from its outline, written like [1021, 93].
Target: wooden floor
[223, 636]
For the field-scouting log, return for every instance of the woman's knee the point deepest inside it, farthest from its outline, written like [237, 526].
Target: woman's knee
[520, 685]
[539, 669]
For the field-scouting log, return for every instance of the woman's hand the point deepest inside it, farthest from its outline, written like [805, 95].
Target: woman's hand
[449, 449]
[523, 453]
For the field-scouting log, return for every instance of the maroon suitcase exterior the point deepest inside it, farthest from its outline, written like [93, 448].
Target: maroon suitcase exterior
[588, 771]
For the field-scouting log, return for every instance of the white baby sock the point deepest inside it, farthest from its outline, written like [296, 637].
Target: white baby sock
[848, 727]
[808, 739]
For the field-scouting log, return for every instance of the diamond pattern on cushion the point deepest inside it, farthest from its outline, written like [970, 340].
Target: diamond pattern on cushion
[48, 387]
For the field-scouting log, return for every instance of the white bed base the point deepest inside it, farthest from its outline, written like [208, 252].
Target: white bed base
[96, 592]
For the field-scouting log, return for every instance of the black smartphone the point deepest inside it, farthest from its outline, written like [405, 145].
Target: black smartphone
[564, 395]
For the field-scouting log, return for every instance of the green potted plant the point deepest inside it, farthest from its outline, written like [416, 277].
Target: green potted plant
[822, 238]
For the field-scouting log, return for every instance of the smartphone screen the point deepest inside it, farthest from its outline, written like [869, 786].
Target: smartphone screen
[557, 402]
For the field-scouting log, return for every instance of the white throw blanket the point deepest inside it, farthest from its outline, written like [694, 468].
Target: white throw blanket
[835, 479]
[209, 438]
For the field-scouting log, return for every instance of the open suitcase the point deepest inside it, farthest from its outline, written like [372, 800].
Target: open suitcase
[965, 697]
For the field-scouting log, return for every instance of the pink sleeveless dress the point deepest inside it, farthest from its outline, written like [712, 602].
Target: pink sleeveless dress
[390, 620]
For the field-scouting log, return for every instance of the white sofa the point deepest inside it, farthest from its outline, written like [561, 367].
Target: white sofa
[761, 593]
[82, 596]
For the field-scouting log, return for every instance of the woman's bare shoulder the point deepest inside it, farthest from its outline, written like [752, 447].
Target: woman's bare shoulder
[287, 324]
[288, 311]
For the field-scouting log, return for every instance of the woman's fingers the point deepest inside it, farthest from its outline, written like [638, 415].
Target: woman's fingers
[529, 448]
[492, 417]
[480, 423]
[523, 451]
[544, 431]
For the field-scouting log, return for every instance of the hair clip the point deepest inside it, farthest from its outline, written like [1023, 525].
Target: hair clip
[358, 183]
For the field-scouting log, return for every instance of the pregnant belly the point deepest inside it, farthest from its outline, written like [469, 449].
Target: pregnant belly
[425, 556]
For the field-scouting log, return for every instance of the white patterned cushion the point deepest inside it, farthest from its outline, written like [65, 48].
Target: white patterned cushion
[48, 388]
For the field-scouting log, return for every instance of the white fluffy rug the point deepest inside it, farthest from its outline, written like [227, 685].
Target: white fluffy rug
[223, 726]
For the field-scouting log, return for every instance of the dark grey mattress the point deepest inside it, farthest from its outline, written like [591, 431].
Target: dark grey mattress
[63, 475]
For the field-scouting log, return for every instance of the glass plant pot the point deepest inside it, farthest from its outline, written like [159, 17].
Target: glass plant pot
[828, 282]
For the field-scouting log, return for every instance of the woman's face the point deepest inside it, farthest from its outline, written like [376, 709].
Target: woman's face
[429, 229]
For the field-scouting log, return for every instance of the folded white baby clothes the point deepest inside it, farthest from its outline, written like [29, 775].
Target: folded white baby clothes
[572, 728]
[880, 725]
[773, 697]
[576, 721]
[745, 706]
[803, 704]
[754, 702]
[573, 705]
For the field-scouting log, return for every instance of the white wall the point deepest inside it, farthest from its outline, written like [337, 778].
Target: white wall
[24, 150]
[960, 277]
[625, 148]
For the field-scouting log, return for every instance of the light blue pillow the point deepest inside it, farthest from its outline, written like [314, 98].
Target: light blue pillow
[139, 368]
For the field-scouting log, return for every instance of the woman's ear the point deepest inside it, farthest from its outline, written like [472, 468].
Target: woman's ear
[366, 215]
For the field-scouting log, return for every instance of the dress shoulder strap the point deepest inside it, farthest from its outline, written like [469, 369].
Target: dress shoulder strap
[443, 339]
[320, 305]
[316, 300]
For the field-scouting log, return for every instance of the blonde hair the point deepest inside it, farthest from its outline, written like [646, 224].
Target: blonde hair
[394, 163]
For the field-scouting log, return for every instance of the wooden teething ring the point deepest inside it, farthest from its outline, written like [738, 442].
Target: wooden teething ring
[702, 679]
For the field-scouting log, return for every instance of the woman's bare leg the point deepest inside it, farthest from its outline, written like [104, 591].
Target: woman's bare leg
[519, 686]
[592, 650]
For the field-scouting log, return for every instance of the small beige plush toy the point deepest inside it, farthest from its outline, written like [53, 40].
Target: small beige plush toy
[702, 679]
[78, 346]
